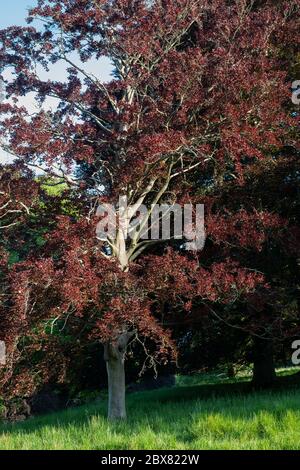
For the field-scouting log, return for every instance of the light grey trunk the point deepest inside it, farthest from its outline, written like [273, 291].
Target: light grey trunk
[116, 386]
[114, 355]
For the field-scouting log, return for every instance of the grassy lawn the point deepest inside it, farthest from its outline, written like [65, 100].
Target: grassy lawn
[202, 412]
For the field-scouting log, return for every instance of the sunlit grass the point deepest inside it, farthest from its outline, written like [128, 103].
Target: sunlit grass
[185, 417]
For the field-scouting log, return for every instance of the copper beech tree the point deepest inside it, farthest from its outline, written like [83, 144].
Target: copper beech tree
[18, 196]
[199, 92]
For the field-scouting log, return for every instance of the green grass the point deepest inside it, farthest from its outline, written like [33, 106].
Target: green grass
[211, 413]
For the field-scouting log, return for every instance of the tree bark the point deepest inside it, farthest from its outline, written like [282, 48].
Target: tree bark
[114, 355]
[264, 374]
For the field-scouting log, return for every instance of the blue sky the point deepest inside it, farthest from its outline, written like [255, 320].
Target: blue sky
[14, 12]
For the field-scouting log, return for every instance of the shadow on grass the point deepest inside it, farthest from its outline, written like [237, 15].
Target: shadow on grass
[215, 390]
[142, 407]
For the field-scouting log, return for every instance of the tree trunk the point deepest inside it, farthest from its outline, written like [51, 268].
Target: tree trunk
[264, 374]
[230, 371]
[116, 384]
[114, 355]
